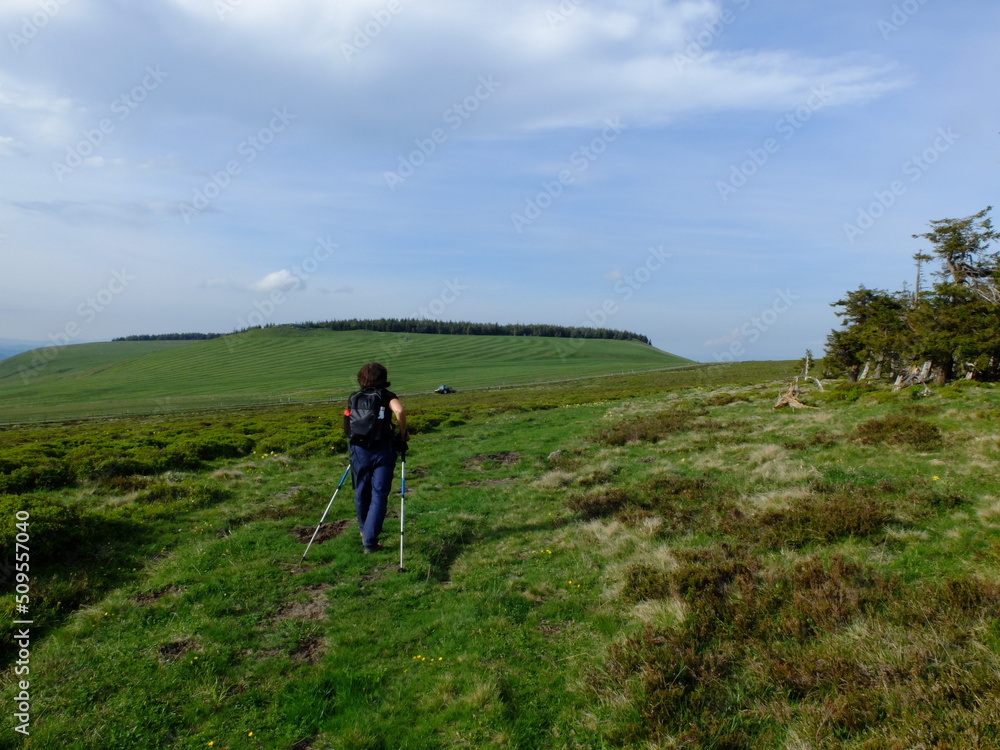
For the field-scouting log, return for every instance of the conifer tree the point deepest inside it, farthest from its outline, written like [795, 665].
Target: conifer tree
[954, 325]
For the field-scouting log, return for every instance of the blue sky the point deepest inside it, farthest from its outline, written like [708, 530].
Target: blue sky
[711, 174]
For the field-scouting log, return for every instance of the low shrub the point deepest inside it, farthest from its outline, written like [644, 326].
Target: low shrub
[195, 494]
[686, 504]
[826, 595]
[599, 504]
[824, 517]
[647, 428]
[125, 484]
[51, 525]
[899, 429]
[643, 582]
[698, 681]
[37, 473]
[724, 399]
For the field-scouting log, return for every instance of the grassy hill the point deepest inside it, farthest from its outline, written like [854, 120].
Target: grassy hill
[288, 364]
[661, 560]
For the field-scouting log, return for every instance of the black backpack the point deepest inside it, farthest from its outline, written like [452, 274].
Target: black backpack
[368, 423]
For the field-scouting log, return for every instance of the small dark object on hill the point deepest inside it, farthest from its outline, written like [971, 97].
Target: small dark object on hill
[444, 389]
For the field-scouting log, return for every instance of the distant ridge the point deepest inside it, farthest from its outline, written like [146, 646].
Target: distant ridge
[283, 364]
[12, 347]
[417, 325]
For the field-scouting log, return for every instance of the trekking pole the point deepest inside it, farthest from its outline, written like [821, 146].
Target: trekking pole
[402, 508]
[325, 512]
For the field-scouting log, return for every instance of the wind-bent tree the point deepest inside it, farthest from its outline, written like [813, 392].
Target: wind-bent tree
[875, 331]
[954, 325]
[952, 328]
[963, 247]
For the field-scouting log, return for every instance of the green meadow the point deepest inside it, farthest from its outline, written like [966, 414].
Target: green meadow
[285, 364]
[651, 560]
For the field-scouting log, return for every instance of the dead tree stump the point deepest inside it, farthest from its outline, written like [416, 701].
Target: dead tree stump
[791, 399]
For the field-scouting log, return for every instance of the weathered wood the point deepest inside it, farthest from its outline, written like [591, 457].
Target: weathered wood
[913, 376]
[791, 398]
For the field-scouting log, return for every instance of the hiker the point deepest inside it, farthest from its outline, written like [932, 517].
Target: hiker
[374, 446]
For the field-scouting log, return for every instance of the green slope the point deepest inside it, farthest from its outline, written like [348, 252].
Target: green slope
[284, 363]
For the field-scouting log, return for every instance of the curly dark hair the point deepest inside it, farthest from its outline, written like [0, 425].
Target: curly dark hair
[373, 375]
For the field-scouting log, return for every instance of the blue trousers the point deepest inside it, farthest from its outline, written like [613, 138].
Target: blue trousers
[371, 471]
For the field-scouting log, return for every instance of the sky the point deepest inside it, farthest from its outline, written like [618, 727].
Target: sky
[710, 173]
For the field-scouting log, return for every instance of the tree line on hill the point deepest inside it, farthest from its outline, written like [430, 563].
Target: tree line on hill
[937, 332]
[411, 325]
[465, 328]
[170, 337]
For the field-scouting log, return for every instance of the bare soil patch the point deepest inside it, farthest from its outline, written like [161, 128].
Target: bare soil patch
[329, 530]
[290, 492]
[310, 650]
[173, 651]
[487, 482]
[314, 608]
[150, 597]
[491, 460]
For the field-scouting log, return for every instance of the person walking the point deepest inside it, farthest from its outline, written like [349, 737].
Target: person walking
[374, 448]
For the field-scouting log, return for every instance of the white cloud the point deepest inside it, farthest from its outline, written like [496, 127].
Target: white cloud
[7, 146]
[733, 335]
[33, 115]
[279, 281]
[603, 59]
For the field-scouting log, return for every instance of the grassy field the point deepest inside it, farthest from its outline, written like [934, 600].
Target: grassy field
[284, 364]
[659, 560]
